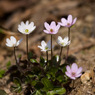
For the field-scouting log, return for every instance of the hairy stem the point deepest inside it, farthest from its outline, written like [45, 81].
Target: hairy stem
[19, 68]
[60, 54]
[47, 56]
[51, 49]
[27, 46]
[68, 40]
[15, 56]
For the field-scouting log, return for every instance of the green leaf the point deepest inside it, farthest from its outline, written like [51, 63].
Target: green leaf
[39, 85]
[17, 81]
[59, 91]
[1, 31]
[60, 78]
[2, 72]
[64, 69]
[47, 84]
[2, 92]
[33, 82]
[42, 61]
[38, 93]
[18, 87]
[8, 64]
[30, 55]
[33, 60]
[52, 71]
[55, 62]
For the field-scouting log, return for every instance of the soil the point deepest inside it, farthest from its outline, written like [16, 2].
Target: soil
[82, 46]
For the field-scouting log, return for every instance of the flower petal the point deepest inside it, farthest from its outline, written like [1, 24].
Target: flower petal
[8, 41]
[13, 39]
[46, 31]
[60, 38]
[18, 42]
[43, 44]
[53, 25]
[74, 67]
[79, 70]
[27, 22]
[73, 78]
[78, 75]
[64, 22]
[40, 47]
[47, 26]
[74, 21]
[69, 19]
[49, 44]
[9, 45]
[69, 75]
[68, 69]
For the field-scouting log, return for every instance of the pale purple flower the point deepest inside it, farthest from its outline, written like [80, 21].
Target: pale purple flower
[67, 22]
[73, 72]
[52, 28]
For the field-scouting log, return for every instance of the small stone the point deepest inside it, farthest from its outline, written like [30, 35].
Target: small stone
[85, 77]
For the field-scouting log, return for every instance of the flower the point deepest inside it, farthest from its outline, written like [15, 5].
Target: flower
[52, 28]
[63, 42]
[12, 42]
[45, 47]
[26, 28]
[67, 23]
[73, 72]
[57, 58]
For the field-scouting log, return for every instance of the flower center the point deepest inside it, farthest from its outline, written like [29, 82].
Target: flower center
[73, 74]
[26, 30]
[51, 30]
[68, 23]
[46, 47]
[62, 43]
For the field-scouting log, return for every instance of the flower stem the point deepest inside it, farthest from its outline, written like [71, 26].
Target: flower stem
[27, 46]
[68, 40]
[19, 68]
[47, 55]
[15, 56]
[60, 54]
[73, 82]
[51, 49]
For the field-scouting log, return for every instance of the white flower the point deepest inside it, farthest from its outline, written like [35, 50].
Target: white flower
[63, 42]
[45, 47]
[26, 28]
[12, 42]
[57, 58]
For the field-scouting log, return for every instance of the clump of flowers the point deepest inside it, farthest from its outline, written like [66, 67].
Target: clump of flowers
[48, 76]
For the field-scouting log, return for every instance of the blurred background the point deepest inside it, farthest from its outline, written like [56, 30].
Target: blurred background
[12, 12]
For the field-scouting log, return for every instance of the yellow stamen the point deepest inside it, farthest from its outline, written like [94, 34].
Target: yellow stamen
[68, 23]
[26, 30]
[51, 30]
